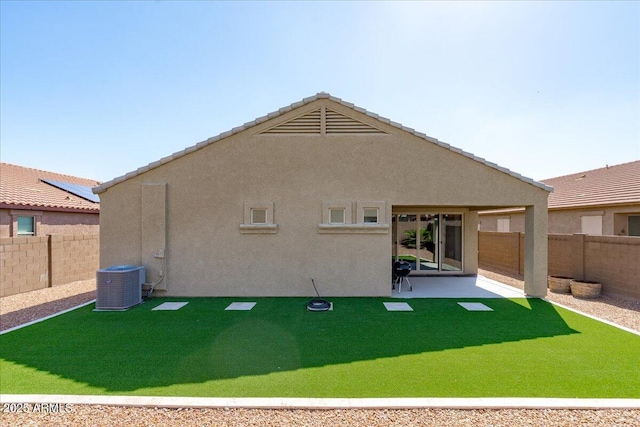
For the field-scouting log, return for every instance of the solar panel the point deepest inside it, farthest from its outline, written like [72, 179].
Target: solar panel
[79, 190]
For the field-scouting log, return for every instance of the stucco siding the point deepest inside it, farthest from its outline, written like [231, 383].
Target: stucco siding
[206, 192]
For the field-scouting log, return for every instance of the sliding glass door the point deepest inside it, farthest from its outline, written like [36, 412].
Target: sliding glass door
[430, 242]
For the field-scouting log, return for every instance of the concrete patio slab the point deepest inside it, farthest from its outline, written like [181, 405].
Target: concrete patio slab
[457, 287]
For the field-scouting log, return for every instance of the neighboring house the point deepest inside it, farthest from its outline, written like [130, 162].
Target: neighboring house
[319, 189]
[38, 203]
[603, 201]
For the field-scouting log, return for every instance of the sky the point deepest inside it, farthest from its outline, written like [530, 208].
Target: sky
[97, 89]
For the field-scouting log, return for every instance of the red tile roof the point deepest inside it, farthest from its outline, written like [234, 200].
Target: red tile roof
[22, 187]
[611, 185]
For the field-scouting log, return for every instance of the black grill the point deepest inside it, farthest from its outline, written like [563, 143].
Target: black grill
[401, 270]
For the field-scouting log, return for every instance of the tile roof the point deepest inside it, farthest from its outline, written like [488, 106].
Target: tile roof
[22, 187]
[611, 185]
[322, 95]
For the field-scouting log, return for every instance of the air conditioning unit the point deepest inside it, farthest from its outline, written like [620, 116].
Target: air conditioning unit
[119, 287]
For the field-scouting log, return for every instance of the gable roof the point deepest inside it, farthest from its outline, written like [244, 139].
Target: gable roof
[322, 95]
[611, 185]
[26, 188]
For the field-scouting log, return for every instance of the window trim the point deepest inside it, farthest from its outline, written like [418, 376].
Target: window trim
[327, 206]
[15, 213]
[351, 227]
[250, 227]
[380, 206]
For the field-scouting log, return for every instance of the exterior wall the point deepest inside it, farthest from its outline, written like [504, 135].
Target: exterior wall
[5, 223]
[50, 222]
[502, 251]
[207, 254]
[561, 257]
[31, 263]
[24, 264]
[567, 221]
[613, 261]
[74, 257]
[69, 223]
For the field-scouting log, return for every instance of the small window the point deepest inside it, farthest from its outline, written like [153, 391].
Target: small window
[634, 225]
[371, 212]
[258, 216]
[592, 225]
[26, 226]
[371, 215]
[504, 225]
[337, 216]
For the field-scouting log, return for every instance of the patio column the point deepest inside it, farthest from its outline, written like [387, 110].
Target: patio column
[535, 249]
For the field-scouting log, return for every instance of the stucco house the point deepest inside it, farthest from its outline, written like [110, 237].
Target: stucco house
[319, 189]
[37, 203]
[603, 201]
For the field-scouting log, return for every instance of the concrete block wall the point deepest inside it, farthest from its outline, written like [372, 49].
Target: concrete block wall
[502, 251]
[24, 264]
[31, 263]
[74, 257]
[614, 261]
[560, 255]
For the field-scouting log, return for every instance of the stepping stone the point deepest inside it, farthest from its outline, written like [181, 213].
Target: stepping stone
[241, 306]
[475, 306]
[170, 306]
[397, 306]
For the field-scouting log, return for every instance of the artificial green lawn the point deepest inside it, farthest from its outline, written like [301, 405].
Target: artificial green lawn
[524, 348]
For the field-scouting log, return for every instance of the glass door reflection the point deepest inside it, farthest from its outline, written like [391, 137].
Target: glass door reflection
[408, 246]
[429, 242]
[452, 242]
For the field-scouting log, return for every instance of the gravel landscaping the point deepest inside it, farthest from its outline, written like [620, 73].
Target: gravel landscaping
[19, 309]
[126, 417]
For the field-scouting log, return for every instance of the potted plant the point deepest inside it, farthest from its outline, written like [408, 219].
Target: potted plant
[585, 289]
[559, 284]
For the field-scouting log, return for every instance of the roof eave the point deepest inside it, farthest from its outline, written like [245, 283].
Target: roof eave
[48, 208]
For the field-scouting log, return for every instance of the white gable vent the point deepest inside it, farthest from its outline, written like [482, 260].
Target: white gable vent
[119, 287]
[323, 121]
[308, 123]
[339, 123]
